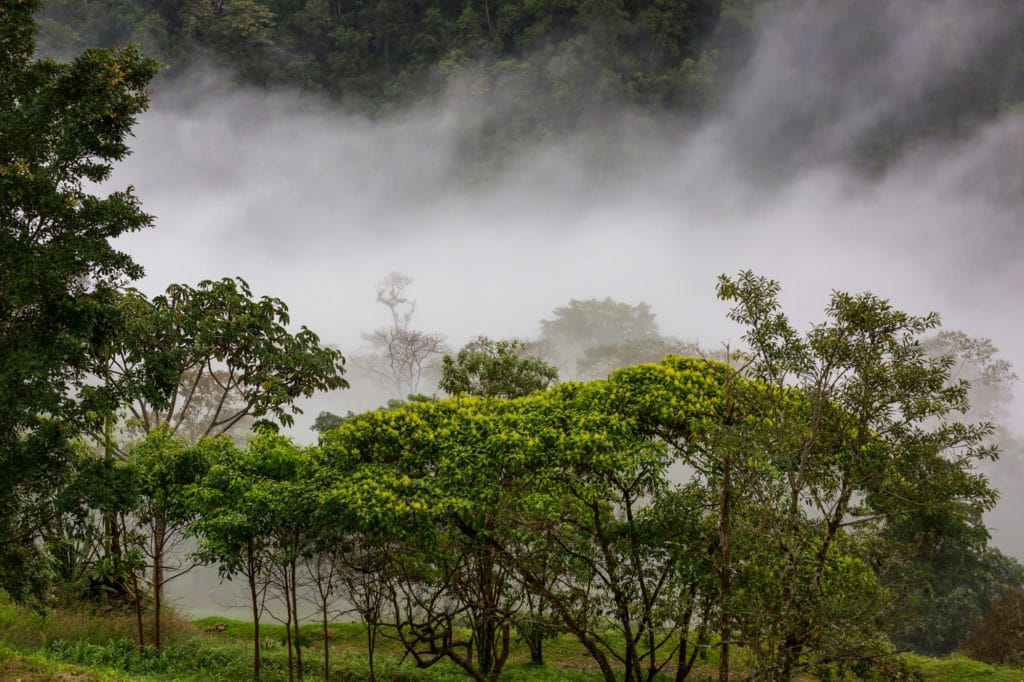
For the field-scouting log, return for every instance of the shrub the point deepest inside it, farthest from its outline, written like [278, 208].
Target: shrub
[999, 637]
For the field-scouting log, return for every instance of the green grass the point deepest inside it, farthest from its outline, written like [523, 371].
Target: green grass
[91, 646]
[959, 668]
[35, 667]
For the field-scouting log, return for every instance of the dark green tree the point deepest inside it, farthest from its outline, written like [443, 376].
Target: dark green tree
[495, 369]
[954, 577]
[62, 126]
[325, 421]
[855, 422]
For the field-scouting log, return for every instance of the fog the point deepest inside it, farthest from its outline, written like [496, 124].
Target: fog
[314, 206]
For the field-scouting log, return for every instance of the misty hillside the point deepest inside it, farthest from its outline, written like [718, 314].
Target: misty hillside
[547, 339]
[537, 68]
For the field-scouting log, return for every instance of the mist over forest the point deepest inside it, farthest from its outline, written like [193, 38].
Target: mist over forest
[501, 161]
[856, 146]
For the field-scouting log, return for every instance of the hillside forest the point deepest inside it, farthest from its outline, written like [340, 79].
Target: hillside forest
[806, 502]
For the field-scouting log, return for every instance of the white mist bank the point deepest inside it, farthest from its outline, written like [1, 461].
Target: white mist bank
[314, 206]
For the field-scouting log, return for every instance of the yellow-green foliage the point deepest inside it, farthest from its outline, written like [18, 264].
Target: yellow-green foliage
[438, 456]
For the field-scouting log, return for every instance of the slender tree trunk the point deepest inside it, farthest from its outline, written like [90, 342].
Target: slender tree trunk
[506, 639]
[158, 578]
[137, 600]
[157, 641]
[327, 646]
[485, 626]
[251, 561]
[725, 537]
[684, 664]
[295, 619]
[533, 635]
[371, 646]
[288, 625]
[113, 530]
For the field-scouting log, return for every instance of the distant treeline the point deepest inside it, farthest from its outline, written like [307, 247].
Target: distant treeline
[539, 66]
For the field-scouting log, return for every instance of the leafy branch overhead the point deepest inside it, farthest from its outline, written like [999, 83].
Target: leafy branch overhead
[201, 359]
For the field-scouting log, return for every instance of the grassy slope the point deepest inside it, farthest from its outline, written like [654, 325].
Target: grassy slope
[29, 667]
[75, 646]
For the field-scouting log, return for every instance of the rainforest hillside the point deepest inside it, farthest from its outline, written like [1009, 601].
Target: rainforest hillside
[544, 67]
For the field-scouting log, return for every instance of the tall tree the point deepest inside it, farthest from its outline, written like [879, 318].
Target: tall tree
[62, 127]
[400, 354]
[855, 433]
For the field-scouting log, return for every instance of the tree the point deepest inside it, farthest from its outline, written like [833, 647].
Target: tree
[596, 498]
[440, 578]
[558, 493]
[203, 360]
[954, 577]
[598, 362]
[243, 516]
[976, 361]
[325, 421]
[853, 434]
[164, 467]
[400, 355]
[62, 126]
[504, 369]
[495, 369]
[594, 323]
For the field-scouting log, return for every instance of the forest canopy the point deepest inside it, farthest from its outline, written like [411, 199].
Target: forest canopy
[550, 67]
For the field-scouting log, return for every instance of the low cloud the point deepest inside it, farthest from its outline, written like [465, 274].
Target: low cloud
[314, 205]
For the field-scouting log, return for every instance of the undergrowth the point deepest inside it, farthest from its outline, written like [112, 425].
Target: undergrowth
[99, 646]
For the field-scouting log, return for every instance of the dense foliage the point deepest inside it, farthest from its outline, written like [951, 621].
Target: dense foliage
[61, 128]
[806, 465]
[540, 67]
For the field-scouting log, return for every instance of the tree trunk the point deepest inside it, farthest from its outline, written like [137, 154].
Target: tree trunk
[684, 663]
[158, 578]
[295, 619]
[724, 535]
[327, 646]
[371, 645]
[156, 610]
[251, 562]
[533, 635]
[137, 600]
[288, 626]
